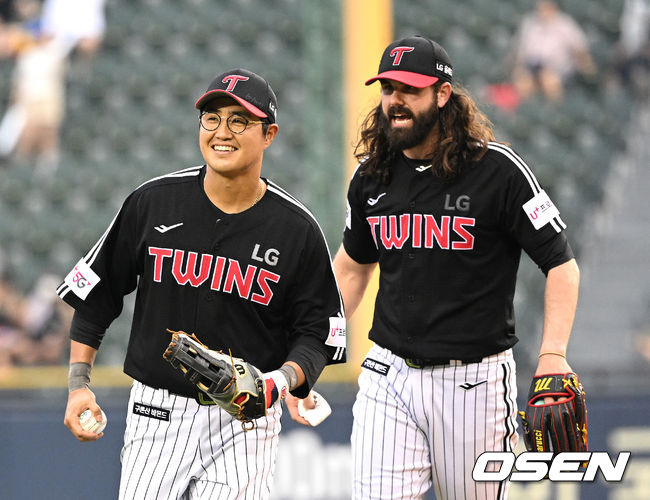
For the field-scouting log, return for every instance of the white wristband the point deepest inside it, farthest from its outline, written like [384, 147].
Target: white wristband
[280, 382]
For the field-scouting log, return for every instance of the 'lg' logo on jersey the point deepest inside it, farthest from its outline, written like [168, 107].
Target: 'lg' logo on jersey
[461, 204]
[271, 256]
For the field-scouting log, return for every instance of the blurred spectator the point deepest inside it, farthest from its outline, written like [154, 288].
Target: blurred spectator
[31, 123]
[40, 43]
[642, 342]
[502, 95]
[10, 309]
[18, 20]
[550, 48]
[76, 24]
[33, 328]
[38, 95]
[632, 55]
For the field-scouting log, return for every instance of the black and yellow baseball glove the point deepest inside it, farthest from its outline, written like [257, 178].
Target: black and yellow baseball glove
[232, 383]
[558, 426]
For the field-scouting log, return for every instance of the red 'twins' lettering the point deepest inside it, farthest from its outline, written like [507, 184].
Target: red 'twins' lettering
[226, 273]
[393, 232]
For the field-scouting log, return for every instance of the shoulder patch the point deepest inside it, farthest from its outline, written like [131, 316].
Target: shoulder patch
[540, 210]
[81, 280]
[337, 335]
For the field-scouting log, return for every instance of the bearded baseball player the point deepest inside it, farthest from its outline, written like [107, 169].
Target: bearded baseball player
[445, 211]
[236, 305]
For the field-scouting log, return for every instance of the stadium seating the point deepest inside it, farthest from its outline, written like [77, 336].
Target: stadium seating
[130, 112]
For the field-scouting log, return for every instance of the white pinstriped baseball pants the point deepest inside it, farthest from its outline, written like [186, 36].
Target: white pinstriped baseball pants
[200, 452]
[414, 428]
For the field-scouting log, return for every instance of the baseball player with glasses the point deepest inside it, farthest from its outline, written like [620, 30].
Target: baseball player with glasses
[445, 212]
[237, 262]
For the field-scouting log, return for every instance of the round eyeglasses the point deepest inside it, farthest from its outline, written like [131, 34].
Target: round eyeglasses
[210, 121]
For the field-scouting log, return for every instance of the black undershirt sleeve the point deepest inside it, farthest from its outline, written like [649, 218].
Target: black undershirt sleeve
[312, 361]
[554, 252]
[86, 332]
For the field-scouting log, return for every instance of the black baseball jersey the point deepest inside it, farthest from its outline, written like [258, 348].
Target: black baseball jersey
[448, 251]
[259, 282]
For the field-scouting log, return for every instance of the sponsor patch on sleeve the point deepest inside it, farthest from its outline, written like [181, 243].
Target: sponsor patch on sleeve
[81, 280]
[336, 336]
[540, 210]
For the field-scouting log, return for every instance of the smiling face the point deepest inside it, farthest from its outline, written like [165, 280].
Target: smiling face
[230, 154]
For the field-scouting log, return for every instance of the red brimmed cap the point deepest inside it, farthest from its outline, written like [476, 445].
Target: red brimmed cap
[247, 88]
[415, 61]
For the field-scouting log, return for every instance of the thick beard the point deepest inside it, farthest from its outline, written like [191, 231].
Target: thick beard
[402, 138]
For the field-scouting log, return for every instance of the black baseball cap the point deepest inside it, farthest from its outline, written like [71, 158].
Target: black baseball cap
[415, 61]
[247, 88]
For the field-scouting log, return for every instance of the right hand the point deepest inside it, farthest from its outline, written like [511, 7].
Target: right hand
[78, 402]
[292, 405]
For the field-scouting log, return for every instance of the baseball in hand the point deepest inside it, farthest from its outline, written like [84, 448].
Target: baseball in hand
[315, 415]
[88, 422]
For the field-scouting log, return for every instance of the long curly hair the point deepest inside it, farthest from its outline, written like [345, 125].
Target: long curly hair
[463, 135]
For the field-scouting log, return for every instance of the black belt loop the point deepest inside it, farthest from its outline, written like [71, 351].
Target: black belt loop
[425, 362]
[201, 398]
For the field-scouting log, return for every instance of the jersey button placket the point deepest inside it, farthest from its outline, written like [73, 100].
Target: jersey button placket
[210, 296]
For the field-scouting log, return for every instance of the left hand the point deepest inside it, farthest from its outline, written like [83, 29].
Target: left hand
[560, 423]
[233, 384]
[292, 405]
